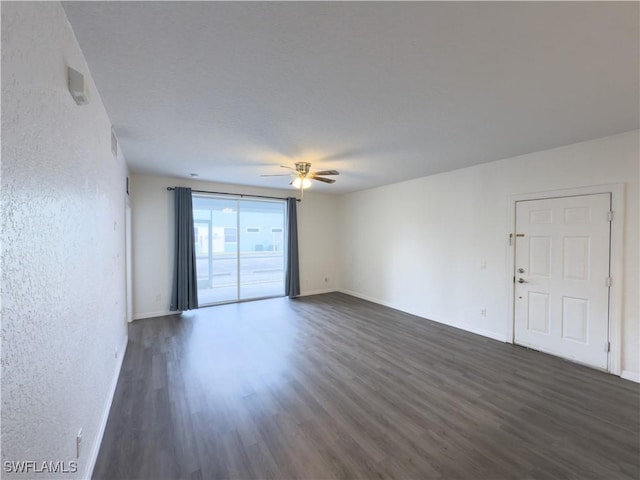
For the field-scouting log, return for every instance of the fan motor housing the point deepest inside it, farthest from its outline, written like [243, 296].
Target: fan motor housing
[303, 167]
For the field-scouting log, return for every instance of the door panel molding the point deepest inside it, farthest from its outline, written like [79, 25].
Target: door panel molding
[616, 263]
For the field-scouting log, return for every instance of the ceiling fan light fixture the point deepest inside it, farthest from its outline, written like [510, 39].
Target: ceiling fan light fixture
[303, 182]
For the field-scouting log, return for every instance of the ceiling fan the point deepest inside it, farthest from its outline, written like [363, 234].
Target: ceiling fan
[302, 175]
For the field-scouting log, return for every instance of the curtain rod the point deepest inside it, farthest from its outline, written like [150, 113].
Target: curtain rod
[241, 195]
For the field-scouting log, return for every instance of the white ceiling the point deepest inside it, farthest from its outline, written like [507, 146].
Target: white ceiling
[381, 91]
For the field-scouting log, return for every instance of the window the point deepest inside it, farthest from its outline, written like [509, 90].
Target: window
[230, 235]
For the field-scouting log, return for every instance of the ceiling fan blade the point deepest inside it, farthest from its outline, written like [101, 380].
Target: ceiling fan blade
[325, 180]
[290, 168]
[327, 172]
[281, 175]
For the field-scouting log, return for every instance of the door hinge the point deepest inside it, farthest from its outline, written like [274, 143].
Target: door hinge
[608, 281]
[610, 216]
[510, 239]
[608, 347]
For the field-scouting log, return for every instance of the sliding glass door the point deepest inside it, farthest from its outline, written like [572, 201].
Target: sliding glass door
[216, 234]
[239, 248]
[261, 249]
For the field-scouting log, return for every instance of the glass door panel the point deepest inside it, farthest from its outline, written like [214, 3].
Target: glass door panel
[216, 231]
[261, 249]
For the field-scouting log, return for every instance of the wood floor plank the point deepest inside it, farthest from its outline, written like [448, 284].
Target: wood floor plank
[334, 387]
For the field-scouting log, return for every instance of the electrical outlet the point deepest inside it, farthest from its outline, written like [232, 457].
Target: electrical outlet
[483, 312]
[326, 279]
[158, 297]
[115, 351]
[78, 443]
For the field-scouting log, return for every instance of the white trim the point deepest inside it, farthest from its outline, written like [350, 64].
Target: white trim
[460, 326]
[473, 329]
[141, 316]
[107, 408]
[616, 264]
[629, 375]
[318, 292]
[366, 297]
[128, 249]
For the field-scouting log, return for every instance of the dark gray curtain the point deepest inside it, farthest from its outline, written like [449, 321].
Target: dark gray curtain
[292, 279]
[185, 287]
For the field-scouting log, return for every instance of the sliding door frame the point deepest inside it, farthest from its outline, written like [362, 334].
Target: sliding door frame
[238, 199]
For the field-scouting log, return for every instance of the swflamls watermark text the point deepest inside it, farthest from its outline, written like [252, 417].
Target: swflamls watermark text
[32, 466]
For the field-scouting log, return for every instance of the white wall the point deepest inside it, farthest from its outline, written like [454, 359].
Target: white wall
[63, 294]
[153, 239]
[418, 246]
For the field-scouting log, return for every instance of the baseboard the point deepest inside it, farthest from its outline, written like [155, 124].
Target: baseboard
[142, 316]
[368, 298]
[629, 375]
[460, 326]
[107, 408]
[478, 331]
[318, 292]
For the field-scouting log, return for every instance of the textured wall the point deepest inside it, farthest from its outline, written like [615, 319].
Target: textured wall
[63, 276]
[153, 239]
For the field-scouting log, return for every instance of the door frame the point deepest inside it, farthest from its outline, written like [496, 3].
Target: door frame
[128, 235]
[616, 264]
[239, 199]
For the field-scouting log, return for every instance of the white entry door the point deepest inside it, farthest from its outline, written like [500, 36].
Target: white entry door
[561, 277]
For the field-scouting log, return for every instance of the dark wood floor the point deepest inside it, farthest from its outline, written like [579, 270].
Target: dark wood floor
[335, 387]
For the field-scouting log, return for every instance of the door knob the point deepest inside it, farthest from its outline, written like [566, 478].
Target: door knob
[522, 280]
